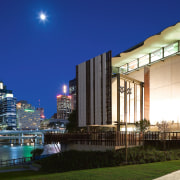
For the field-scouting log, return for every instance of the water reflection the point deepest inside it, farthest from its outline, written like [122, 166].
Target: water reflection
[16, 151]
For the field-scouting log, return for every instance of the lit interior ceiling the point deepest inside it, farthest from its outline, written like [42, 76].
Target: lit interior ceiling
[167, 36]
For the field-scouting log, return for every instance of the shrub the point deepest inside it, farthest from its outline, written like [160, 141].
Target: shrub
[78, 160]
[36, 152]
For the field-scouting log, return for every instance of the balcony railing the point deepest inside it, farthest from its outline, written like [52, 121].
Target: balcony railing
[152, 57]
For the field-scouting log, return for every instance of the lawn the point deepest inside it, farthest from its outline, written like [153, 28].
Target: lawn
[142, 171]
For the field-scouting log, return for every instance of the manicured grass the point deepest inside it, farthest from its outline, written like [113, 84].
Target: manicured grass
[141, 171]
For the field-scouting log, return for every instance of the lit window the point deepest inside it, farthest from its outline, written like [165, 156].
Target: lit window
[123, 69]
[171, 49]
[144, 60]
[156, 55]
[133, 65]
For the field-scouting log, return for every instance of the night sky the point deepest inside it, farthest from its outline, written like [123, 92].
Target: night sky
[37, 58]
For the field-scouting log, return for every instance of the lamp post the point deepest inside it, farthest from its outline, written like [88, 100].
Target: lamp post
[126, 91]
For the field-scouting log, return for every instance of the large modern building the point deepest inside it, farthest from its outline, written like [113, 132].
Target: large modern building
[141, 82]
[28, 117]
[7, 108]
[41, 110]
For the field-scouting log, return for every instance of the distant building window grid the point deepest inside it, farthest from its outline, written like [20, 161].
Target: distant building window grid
[28, 119]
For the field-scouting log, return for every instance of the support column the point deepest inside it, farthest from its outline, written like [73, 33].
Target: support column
[146, 92]
[135, 102]
[125, 116]
[125, 101]
[118, 102]
[22, 140]
[19, 138]
[42, 138]
[141, 100]
[36, 137]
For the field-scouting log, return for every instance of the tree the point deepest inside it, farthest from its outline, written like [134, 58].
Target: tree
[142, 125]
[163, 126]
[73, 123]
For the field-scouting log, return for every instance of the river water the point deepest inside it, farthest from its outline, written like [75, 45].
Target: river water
[16, 151]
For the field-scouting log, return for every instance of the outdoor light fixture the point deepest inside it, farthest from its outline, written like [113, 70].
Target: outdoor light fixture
[126, 91]
[122, 90]
[129, 90]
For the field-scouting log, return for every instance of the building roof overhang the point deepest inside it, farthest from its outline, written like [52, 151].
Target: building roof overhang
[153, 43]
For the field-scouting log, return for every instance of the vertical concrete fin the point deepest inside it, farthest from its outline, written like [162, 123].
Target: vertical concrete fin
[146, 92]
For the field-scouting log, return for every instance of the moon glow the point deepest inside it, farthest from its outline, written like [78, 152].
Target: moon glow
[42, 16]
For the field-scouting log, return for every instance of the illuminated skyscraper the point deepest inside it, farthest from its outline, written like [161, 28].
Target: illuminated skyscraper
[7, 108]
[63, 106]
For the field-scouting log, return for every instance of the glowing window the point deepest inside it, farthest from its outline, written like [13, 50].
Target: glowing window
[144, 60]
[171, 49]
[123, 69]
[133, 65]
[156, 55]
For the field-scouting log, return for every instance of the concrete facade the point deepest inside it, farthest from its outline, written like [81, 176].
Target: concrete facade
[155, 63]
[94, 91]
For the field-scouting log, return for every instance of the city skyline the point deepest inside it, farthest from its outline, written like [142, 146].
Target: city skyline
[39, 58]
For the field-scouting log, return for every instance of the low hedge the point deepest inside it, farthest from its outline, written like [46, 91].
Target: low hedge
[78, 160]
[36, 152]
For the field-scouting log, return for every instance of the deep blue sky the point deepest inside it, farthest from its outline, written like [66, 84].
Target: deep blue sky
[36, 59]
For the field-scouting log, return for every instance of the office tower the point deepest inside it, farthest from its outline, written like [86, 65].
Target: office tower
[63, 106]
[7, 108]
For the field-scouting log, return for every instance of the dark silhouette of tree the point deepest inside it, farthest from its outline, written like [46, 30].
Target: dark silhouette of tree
[73, 123]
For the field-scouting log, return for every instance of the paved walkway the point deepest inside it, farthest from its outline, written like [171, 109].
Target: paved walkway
[172, 176]
[29, 168]
[13, 170]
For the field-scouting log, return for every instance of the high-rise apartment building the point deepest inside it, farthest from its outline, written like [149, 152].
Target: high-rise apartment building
[27, 116]
[41, 112]
[72, 92]
[7, 108]
[63, 106]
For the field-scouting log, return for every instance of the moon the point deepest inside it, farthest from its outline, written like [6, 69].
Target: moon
[43, 16]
